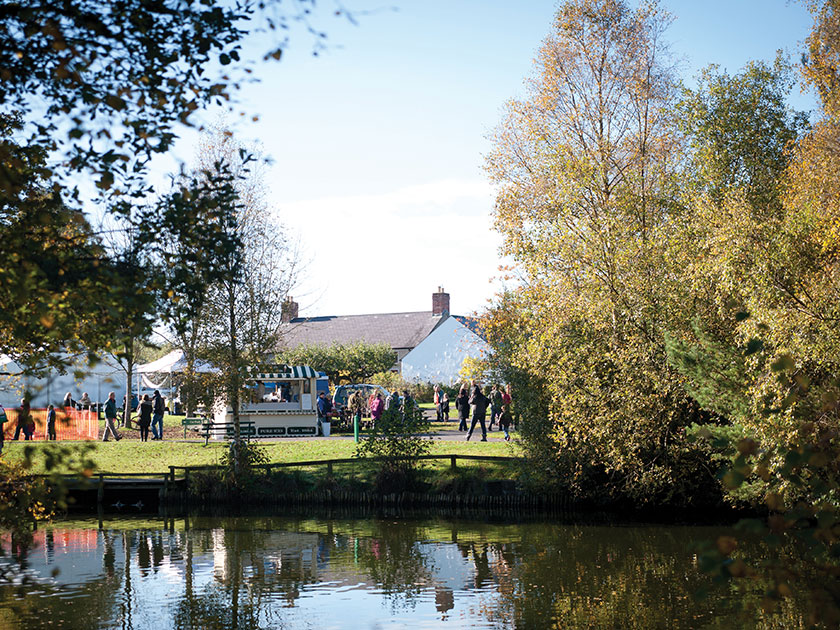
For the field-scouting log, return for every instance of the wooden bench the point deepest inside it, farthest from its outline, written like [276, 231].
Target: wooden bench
[192, 422]
[246, 429]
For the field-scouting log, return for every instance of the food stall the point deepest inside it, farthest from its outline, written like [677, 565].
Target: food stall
[280, 401]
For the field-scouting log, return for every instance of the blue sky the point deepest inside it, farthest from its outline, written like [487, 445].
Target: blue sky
[377, 142]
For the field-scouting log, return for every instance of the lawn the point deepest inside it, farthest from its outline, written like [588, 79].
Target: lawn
[132, 455]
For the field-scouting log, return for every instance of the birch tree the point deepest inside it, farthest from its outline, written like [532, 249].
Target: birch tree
[586, 171]
[243, 307]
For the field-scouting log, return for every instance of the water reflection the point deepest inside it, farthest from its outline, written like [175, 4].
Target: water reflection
[273, 572]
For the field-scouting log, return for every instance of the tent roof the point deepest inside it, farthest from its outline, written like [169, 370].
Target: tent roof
[164, 364]
[172, 362]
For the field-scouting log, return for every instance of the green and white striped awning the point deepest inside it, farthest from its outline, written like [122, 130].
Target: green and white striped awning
[279, 372]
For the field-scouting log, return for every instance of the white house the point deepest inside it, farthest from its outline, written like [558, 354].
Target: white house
[438, 358]
[429, 346]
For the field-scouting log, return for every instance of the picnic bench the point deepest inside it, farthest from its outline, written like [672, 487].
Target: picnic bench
[208, 428]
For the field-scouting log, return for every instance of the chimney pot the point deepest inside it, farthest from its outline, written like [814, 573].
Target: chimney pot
[288, 310]
[440, 302]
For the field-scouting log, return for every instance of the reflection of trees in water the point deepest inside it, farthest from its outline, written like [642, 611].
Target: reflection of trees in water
[394, 560]
[219, 607]
[529, 576]
[21, 608]
[602, 577]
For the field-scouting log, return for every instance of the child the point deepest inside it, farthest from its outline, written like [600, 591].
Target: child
[444, 407]
[504, 423]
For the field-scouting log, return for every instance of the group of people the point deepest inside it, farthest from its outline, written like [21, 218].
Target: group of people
[150, 417]
[441, 400]
[25, 423]
[358, 405]
[151, 411]
[475, 399]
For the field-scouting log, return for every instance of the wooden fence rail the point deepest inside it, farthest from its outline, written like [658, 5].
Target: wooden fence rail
[329, 463]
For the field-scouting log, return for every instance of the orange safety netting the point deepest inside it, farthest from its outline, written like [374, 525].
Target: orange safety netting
[70, 424]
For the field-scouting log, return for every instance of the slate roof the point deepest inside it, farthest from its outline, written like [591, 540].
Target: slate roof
[473, 324]
[398, 330]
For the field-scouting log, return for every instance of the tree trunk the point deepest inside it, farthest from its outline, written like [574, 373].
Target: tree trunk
[127, 408]
[233, 380]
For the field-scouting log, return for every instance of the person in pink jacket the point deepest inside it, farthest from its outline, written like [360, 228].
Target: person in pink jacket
[376, 408]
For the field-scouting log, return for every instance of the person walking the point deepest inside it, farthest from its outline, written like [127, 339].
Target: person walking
[505, 418]
[444, 407]
[437, 401]
[51, 423]
[507, 402]
[22, 419]
[462, 406]
[495, 405]
[110, 418]
[157, 418]
[479, 404]
[145, 418]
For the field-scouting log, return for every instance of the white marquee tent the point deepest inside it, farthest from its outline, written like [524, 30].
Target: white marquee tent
[79, 377]
[158, 373]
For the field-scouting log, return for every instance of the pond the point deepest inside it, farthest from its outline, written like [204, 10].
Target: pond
[374, 572]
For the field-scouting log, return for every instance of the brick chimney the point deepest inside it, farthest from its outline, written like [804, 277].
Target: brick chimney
[288, 310]
[440, 302]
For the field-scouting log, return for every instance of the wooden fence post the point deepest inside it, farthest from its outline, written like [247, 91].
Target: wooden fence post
[100, 492]
[453, 461]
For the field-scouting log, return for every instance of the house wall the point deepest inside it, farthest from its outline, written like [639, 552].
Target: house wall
[438, 358]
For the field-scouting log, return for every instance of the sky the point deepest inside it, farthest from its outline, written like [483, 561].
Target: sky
[378, 142]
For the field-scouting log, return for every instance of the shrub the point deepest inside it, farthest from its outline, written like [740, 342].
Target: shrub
[396, 439]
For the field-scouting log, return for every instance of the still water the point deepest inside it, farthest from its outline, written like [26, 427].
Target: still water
[376, 572]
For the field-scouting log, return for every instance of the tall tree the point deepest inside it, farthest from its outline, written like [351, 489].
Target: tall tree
[244, 302]
[586, 169]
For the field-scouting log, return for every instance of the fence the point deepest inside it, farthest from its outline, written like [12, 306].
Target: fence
[499, 494]
[70, 424]
[329, 463]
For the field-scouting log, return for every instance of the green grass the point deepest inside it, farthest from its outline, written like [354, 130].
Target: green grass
[131, 455]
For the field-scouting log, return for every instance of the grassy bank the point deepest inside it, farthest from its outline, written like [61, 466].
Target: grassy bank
[135, 456]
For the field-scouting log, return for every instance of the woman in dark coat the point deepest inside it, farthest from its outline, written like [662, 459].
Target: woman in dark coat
[145, 419]
[462, 404]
